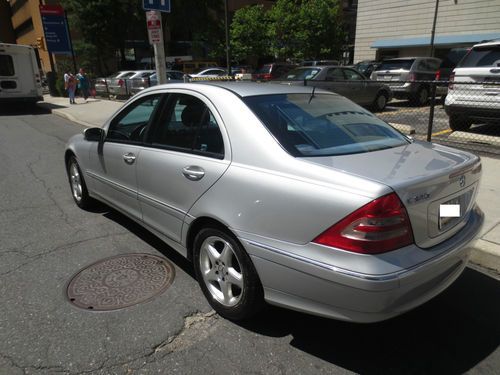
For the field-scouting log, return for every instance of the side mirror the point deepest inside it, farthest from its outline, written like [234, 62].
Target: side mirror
[93, 134]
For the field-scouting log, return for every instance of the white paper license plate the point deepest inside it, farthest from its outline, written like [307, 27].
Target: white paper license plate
[449, 212]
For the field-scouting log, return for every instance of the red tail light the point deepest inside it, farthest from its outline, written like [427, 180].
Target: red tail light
[452, 79]
[267, 76]
[121, 82]
[378, 227]
[412, 77]
[438, 75]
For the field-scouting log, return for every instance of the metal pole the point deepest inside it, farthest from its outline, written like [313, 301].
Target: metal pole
[70, 41]
[433, 33]
[228, 57]
[431, 112]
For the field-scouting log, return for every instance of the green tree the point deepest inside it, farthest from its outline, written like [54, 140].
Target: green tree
[106, 24]
[248, 33]
[306, 29]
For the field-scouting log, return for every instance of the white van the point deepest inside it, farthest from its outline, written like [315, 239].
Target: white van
[19, 74]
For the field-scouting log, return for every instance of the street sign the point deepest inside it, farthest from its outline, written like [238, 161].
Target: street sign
[55, 29]
[155, 32]
[160, 5]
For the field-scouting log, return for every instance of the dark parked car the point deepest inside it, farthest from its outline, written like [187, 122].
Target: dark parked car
[268, 72]
[367, 66]
[446, 68]
[406, 77]
[344, 81]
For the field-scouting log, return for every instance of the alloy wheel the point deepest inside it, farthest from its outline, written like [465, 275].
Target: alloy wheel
[221, 271]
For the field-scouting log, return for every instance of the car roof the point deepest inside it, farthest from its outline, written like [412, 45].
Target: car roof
[244, 89]
[486, 44]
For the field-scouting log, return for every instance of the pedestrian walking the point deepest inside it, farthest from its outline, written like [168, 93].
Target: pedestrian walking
[70, 86]
[83, 84]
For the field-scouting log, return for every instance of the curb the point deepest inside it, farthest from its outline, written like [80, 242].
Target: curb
[71, 118]
[485, 254]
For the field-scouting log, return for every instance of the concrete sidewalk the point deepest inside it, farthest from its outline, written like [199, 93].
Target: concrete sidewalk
[95, 112]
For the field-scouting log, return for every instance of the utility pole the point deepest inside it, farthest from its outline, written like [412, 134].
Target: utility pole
[228, 56]
[433, 32]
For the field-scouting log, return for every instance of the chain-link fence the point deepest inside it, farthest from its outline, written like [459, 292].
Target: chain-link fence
[460, 114]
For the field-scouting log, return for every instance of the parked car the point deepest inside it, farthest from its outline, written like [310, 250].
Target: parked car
[268, 72]
[102, 83]
[474, 91]
[120, 86]
[445, 70]
[367, 66]
[209, 73]
[173, 76]
[193, 66]
[319, 62]
[285, 194]
[344, 81]
[405, 75]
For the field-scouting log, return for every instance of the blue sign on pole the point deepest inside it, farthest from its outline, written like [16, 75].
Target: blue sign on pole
[55, 29]
[160, 5]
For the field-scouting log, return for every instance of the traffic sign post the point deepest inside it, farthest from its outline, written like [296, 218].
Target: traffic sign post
[155, 32]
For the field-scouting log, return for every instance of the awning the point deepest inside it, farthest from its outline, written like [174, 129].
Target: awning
[438, 40]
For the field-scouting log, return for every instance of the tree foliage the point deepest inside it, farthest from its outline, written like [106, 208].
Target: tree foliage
[291, 29]
[248, 33]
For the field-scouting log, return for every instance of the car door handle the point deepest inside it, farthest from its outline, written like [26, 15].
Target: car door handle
[129, 158]
[193, 172]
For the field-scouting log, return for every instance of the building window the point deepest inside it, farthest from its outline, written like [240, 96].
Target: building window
[24, 28]
[18, 5]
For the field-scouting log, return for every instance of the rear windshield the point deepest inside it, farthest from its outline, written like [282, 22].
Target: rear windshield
[301, 74]
[396, 64]
[264, 69]
[322, 125]
[6, 66]
[482, 56]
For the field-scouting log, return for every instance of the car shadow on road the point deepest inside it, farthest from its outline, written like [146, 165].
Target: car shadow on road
[147, 237]
[23, 109]
[449, 335]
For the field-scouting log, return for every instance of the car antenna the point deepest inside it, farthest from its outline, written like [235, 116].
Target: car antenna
[312, 95]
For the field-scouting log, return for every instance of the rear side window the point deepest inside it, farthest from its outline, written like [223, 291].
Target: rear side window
[396, 64]
[263, 70]
[488, 56]
[6, 66]
[322, 125]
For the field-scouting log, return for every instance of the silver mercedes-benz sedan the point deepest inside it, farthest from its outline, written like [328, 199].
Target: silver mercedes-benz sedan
[286, 194]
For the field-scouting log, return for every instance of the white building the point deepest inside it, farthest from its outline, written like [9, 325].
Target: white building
[402, 28]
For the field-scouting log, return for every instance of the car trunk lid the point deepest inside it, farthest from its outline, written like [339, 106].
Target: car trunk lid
[425, 177]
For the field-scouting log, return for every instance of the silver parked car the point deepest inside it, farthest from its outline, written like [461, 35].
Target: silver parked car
[408, 77]
[286, 194]
[347, 82]
[136, 85]
[120, 86]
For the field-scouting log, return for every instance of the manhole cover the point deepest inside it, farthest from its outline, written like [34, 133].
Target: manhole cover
[120, 281]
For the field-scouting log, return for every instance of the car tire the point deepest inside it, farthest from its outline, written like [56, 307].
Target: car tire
[459, 123]
[380, 102]
[421, 97]
[227, 275]
[77, 184]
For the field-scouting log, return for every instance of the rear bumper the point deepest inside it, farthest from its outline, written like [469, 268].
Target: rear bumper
[318, 288]
[470, 112]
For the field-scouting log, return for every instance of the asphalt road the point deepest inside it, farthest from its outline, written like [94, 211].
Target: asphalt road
[46, 239]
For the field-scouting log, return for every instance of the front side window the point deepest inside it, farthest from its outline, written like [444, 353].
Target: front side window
[335, 74]
[189, 126]
[352, 75]
[6, 66]
[322, 125]
[130, 124]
